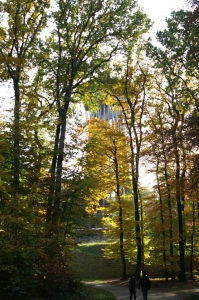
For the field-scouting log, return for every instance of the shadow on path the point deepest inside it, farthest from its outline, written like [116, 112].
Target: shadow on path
[122, 293]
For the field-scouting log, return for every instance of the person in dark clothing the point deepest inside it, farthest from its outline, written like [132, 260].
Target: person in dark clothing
[132, 284]
[144, 284]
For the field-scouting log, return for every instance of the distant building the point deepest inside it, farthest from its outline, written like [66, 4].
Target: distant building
[106, 112]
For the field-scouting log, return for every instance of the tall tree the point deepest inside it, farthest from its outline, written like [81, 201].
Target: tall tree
[176, 98]
[180, 40]
[129, 91]
[111, 155]
[87, 34]
[159, 160]
[161, 146]
[18, 43]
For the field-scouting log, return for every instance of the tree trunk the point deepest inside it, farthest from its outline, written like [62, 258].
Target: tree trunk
[124, 276]
[52, 179]
[162, 224]
[173, 276]
[138, 232]
[182, 275]
[16, 150]
[192, 241]
[142, 230]
[59, 166]
[121, 229]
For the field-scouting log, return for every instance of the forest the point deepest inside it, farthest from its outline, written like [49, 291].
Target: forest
[60, 62]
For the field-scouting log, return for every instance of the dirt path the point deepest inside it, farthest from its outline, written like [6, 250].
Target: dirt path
[163, 292]
[122, 293]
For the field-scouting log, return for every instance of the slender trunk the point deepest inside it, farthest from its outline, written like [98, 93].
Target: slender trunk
[57, 199]
[136, 192]
[135, 176]
[135, 184]
[38, 163]
[142, 230]
[182, 275]
[173, 276]
[16, 150]
[162, 223]
[52, 178]
[138, 238]
[134, 127]
[121, 226]
[177, 142]
[122, 253]
[168, 189]
[51, 195]
[135, 156]
[192, 241]
[137, 129]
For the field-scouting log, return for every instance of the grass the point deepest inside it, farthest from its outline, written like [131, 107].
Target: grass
[92, 248]
[102, 295]
[93, 293]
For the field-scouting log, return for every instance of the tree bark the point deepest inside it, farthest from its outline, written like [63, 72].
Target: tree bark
[59, 166]
[16, 150]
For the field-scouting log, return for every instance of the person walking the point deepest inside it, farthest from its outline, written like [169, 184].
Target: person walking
[144, 284]
[132, 284]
